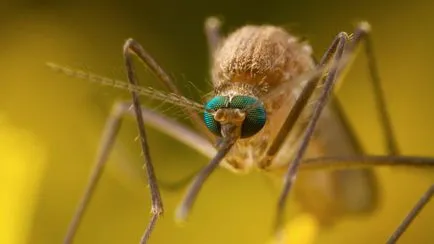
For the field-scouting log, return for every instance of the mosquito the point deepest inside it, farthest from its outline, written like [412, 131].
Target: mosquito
[271, 109]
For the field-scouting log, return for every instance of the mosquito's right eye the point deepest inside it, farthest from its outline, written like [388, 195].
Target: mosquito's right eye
[213, 105]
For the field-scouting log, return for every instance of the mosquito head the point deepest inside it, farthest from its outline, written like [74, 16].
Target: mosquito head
[234, 111]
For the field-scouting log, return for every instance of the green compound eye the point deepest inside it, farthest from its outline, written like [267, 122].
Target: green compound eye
[255, 116]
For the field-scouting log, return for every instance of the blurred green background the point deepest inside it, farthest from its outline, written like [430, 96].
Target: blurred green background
[50, 124]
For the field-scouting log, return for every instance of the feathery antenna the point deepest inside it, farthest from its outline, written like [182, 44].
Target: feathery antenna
[171, 98]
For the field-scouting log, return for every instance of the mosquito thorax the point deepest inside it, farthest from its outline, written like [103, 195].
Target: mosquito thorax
[246, 112]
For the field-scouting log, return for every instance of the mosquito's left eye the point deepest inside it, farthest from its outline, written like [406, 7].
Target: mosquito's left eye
[213, 105]
[256, 115]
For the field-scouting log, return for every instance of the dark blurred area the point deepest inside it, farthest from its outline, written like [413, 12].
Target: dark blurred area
[50, 124]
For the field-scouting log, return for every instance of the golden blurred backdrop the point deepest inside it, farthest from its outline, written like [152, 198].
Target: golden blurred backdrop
[50, 124]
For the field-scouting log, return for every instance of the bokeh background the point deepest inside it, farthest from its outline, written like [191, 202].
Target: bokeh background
[50, 124]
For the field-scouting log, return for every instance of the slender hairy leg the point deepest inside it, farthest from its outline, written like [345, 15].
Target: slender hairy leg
[426, 197]
[300, 103]
[360, 34]
[136, 49]
[186, 205]
[336, 51]
[365, 161]
[109, 135]
[156, 201]
[363, 34]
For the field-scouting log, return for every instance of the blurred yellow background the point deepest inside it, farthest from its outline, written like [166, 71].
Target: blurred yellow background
[50, 124]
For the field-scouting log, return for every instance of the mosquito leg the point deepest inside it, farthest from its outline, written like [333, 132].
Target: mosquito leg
[213, 34]
[300, 103]
[362, 33]
[365, 161]
[426, 197]
[329, 80]
[156, 201]
[107, 140]
[186, 205]
[136, 49]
